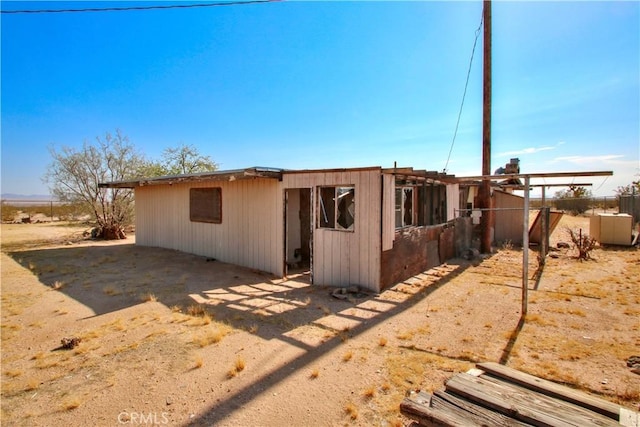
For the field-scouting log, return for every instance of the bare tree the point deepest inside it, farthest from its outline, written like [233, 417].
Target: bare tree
[184, 159]
[74, 175]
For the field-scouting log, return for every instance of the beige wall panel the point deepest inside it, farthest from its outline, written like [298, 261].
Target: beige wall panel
[453, 197]
[388, 212]
[250, 232]
[342, 258]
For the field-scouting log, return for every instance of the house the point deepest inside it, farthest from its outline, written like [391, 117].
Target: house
[369, 226]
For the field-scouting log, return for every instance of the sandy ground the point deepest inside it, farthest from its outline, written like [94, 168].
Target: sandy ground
[169, 338]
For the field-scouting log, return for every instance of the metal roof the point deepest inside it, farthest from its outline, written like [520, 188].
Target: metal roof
[221, 175]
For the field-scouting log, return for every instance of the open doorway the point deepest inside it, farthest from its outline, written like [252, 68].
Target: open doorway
[298, 231]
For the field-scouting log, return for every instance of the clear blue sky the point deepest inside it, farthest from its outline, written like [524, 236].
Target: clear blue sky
[327, 84]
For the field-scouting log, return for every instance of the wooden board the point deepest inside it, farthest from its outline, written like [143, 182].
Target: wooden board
[496, 395]
[523, 404]
[419, 408]
[479, 415]
[552, 389]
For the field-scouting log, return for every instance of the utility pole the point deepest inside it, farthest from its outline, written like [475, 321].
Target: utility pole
[486, 221]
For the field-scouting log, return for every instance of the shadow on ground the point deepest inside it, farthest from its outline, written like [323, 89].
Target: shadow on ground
[114, 277]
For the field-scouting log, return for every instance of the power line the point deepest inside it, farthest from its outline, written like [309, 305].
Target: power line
[464, 94]
[127, 8]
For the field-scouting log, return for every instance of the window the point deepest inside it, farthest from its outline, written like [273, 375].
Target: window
[205, 205]
[404, 207]
[337, 207]
[420, 203]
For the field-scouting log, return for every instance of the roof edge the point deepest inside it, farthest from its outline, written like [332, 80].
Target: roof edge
[219, 175]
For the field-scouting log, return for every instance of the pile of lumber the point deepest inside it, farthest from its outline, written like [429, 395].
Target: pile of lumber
[496, 395]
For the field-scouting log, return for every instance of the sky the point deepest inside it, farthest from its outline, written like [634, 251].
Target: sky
[314, 85]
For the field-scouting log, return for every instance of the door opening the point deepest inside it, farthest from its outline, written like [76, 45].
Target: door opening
[298, 231]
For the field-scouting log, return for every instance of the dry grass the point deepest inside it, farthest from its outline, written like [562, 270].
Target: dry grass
[315, 373]
[32, 384]
[240, 364]
[352, 411]
[405, 335]
[149, 297]
[369, 392]
[196, 310]
[70, 403]
[202, 320]
[382, 342]
[347, 356]
[13, 373]
[111, 291]
[212, 335]
[57, 285]
[198, 362]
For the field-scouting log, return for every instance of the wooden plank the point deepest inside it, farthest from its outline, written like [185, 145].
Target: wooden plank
[629, 418]
[552, 389]
[419, 408]
[523, 404]
[475, 414]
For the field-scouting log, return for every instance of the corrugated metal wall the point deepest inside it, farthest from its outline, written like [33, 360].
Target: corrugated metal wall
[343, 258]
[250, 233]
[508, 223]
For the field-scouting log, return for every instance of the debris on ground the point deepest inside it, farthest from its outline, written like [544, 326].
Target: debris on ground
[350, 292]
[634, 363]
[69, 343]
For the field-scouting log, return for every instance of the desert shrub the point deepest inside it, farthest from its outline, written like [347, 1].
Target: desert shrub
[584, 243]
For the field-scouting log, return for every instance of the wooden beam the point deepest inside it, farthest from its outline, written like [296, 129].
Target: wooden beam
[552, 389]
[536, 175]
[523, 404]
[484, 196]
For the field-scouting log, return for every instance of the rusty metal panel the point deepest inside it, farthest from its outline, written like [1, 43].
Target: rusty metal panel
[415, 249]
[446, 244]
[535, 232]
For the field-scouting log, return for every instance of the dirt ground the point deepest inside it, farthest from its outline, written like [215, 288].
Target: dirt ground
[169, 338]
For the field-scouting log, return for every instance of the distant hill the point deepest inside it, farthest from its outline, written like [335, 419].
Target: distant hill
[39, 197]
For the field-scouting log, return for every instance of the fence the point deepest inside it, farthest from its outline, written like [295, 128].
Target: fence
[30, 210]
[631, 205]
[580, 205]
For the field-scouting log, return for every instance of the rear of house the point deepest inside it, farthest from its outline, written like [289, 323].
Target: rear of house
[368, 226]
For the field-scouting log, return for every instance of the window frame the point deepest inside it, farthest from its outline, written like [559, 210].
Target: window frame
[428, 207]
[401, 208]
[329, 212]
[199, 198]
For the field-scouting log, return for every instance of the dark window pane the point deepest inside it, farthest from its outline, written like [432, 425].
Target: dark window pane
[408, 206]
[205, 205]
[346, 207]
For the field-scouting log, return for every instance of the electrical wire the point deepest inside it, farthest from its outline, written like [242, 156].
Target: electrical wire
[602, 183]
[464, 94]
[128, 8]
